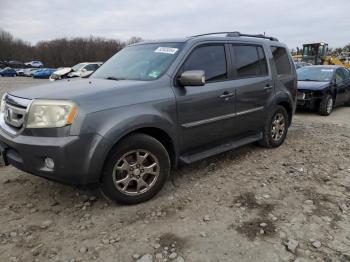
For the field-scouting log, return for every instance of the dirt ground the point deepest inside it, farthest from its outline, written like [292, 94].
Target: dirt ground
[252, 204]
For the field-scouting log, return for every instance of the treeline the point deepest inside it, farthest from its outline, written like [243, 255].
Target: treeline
[60, 52]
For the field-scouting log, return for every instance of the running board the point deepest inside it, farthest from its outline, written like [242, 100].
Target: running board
[190, 158]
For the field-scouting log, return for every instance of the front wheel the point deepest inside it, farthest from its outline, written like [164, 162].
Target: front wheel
[135, 170]
[326, 106]
[276, 128]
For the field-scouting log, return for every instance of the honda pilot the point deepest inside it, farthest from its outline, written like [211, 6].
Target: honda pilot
[151, 107]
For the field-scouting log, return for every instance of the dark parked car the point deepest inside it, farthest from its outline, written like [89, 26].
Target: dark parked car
[323, 87]
[153, 106]
[8, 72]
[15, 64]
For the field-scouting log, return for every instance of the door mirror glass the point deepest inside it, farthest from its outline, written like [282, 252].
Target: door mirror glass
[192, 78]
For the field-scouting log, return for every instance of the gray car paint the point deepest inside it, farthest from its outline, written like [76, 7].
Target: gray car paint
[109, 110]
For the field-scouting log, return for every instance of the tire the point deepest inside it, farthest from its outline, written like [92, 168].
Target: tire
[347, 103]
[141, 176]
[274, 136]
[326, 106]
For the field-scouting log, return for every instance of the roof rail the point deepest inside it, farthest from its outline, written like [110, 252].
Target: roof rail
[238, 34]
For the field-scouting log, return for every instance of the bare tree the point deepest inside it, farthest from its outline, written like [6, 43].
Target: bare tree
[62, 51]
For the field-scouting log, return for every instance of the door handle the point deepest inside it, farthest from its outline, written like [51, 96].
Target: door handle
[227, 94]
[268, 87]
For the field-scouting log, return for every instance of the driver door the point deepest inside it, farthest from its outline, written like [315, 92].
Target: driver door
[206, 113]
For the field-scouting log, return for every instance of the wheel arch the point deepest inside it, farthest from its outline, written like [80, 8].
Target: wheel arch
[285, 100]
[157, 133]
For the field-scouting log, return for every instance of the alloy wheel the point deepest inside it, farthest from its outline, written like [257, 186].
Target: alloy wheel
[136, 172]
[278, 127]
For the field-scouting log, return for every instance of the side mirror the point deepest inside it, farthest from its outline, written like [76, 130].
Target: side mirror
[192, 78]
[83, 70]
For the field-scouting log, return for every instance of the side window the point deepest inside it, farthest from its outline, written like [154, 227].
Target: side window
[263, 61]
[91, 67]
[280, 56]
[211, 59]
[340, 75]
[249, 60]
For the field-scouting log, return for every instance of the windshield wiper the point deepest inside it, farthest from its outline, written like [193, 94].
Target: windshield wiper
[307, 79]
[115, 78]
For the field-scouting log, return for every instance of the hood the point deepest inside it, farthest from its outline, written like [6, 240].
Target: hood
[312, 85]
[75, 89]
[63, 71]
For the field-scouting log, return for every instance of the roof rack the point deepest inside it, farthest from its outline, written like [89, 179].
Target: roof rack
[238, 34]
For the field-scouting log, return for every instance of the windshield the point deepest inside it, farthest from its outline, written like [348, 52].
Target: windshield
[318, 74]
[78, 67]
[140, 62]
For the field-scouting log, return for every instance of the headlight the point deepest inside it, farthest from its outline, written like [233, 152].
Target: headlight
[51, 113]
[2, 104]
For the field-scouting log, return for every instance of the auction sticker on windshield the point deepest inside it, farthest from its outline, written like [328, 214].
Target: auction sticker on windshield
[166, 50]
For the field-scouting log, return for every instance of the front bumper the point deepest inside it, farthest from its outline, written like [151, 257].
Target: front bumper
[308, 101]
[78, 159]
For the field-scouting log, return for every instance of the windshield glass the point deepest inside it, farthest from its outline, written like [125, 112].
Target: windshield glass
[78, 67]
[140, 62]
[318, 74]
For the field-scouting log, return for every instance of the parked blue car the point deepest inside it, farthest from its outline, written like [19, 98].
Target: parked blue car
[43, 73]
[8, 72]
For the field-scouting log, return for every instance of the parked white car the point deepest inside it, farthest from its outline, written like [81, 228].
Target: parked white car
[36, 64]
[79, 70]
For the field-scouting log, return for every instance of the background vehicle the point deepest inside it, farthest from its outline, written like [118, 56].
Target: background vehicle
[323, 88]
[15, 64]
[301, 64]
[20, 71]
[8, 72]
[35, 64]
[137, 116]
[79, 70]
[43, 73]
[29, 71]
[317, 54]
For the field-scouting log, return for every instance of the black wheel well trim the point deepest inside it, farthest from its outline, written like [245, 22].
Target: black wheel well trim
[289, 109]
[157, 133]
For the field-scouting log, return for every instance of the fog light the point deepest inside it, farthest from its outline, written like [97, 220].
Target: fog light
[49, 163]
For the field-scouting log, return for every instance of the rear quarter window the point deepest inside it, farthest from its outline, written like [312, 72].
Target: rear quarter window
[280, 56]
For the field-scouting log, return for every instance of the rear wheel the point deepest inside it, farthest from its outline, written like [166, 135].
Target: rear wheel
[136, 170]
[276, 128]
[326, 105]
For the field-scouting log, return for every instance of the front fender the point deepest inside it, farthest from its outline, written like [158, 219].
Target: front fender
[116, 123]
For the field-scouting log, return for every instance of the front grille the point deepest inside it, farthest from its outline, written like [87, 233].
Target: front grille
[15, 111]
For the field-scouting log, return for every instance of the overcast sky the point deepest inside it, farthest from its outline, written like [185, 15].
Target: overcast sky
[293, 21]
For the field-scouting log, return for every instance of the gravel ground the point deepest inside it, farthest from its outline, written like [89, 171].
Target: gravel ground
[251, 204]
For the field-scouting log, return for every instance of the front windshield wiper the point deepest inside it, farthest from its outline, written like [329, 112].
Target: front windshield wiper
[307, 79]
[115, 78]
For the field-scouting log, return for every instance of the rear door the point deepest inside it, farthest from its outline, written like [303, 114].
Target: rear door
[206, 113]
[253, 84]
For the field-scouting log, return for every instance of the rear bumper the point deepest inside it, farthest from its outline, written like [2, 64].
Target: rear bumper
[78, 159]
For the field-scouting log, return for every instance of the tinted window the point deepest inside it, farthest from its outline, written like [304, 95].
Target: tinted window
[281, 60]
[263, 62]
[91, 67]
[210, 59]
[249, 60]
[341, 75]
